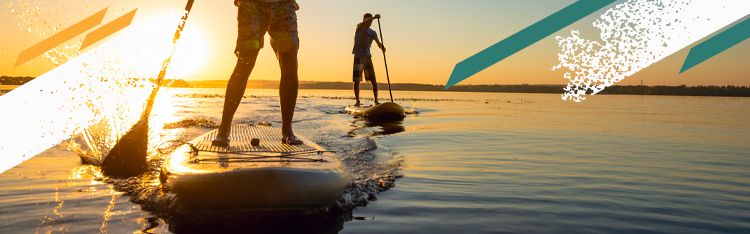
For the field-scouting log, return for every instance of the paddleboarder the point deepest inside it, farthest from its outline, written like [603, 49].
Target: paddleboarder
[255, 18]
[363, 38]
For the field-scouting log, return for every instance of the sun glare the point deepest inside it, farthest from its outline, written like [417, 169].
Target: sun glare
[191, 53]
[102, 91]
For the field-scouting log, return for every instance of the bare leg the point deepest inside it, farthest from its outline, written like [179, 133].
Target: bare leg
[235, 90]
[375, 90]
[288, 93]
[356, 93]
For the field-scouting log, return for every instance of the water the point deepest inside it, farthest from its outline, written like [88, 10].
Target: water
[471, 163]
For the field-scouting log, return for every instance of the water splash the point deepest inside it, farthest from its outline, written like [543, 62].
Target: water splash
[186, 123]
[105, 87]
[32, 19]
[374, 169]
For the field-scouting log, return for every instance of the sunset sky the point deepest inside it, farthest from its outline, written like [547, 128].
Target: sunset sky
[425, 38]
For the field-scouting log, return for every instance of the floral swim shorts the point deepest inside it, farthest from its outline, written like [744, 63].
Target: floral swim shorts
[255, 18]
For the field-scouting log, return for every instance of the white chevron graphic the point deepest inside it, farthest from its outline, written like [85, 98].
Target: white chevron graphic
[636, 34]
[97, 87]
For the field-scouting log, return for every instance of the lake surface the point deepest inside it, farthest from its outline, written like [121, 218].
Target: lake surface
[464, 163]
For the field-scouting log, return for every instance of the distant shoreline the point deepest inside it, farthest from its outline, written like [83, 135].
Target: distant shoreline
[8, 83]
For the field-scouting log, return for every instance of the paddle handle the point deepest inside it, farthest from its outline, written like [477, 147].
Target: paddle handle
[385, 60]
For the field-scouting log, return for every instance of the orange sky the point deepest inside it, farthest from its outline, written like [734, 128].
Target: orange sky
[425, 39]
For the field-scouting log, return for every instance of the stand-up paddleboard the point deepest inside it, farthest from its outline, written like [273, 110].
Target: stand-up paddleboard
[268, 176]
[382, 112]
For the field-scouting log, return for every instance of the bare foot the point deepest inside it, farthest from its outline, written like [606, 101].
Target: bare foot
[357, 104]
[291, 140]
[222, 139]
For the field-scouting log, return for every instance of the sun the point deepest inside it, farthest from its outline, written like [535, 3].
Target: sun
[191, 53]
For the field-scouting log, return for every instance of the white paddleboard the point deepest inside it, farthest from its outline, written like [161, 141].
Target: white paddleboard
[269, 176]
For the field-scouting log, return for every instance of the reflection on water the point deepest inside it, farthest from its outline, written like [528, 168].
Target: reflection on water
[387, 128]
[363, 127]
[104, 228]
[54, 193]
[485, 165]
[259, 222]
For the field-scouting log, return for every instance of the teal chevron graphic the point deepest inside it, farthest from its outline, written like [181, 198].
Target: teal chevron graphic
[524, 38]
[717, 44]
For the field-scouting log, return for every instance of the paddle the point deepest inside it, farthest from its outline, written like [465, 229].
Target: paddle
[388, 77]
[128, 157]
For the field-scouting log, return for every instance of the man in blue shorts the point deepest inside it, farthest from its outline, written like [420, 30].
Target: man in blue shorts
[363, 38]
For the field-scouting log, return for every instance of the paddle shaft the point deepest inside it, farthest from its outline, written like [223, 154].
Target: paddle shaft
[167, 61]
[385, 60]
[128, 156]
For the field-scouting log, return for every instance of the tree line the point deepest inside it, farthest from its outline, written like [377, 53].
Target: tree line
[682, 90]
[8, 80]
